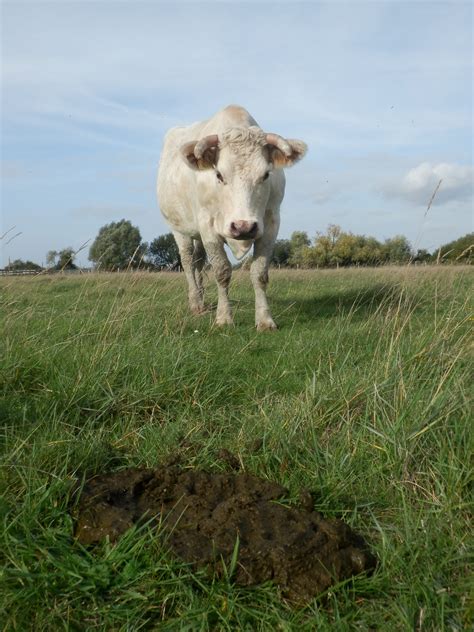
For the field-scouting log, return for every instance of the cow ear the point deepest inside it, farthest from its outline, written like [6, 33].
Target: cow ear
[207, 161]
[297, 151]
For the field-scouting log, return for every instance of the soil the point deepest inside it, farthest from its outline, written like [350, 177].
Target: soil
[202, 514]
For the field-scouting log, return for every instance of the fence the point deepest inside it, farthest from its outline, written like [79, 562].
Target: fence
[18, 272]
[7, 272]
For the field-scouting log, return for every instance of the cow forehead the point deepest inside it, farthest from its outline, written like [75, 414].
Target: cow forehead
[243, 136]
[241, 146]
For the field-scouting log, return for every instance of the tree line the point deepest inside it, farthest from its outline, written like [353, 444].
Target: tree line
[336, 248]
[119, 246]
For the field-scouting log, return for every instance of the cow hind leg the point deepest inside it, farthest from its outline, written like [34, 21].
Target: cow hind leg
[195, 291]
[199, 261]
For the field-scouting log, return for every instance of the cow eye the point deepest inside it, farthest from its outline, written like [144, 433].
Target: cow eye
[265, 177]
[219, 177]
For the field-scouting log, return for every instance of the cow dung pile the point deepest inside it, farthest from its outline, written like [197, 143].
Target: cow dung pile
[203, 515]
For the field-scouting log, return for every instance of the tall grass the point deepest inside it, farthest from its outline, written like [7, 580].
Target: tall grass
[362, 396]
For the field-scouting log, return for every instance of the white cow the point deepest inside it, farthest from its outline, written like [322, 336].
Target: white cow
[221, 181]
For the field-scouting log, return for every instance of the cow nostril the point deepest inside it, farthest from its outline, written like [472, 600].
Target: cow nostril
[241, 228]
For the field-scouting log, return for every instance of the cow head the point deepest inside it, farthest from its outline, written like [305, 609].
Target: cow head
[237, 168]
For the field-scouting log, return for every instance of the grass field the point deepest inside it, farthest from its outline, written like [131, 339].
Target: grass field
[362, 396]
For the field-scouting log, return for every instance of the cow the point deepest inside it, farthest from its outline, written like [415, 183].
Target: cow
[221, 181]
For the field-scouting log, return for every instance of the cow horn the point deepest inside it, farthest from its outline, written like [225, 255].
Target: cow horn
[280, 142]
[205, 143]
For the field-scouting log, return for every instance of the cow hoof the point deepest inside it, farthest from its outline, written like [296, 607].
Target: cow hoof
[266, 325]
[224, 318]
[224, 323]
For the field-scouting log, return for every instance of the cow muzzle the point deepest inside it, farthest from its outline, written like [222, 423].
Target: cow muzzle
[243, 230]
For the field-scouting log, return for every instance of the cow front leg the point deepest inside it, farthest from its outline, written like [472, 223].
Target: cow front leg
[188, 261]
[223, 273]
[263, 250]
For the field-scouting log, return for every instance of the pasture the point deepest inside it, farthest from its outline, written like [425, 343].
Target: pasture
[361, 396]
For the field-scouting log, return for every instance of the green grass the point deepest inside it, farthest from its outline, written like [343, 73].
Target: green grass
[362, 396]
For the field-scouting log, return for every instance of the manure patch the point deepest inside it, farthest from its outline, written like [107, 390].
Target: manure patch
[206, 517]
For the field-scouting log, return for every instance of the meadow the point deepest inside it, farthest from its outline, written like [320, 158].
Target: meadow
[361, 396]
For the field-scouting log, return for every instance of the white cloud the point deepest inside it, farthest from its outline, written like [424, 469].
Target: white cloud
[418, 185]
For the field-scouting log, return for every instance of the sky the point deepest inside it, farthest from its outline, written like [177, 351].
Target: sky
[380, 91]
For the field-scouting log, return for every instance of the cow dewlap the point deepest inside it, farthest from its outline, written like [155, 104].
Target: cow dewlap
[239, 248]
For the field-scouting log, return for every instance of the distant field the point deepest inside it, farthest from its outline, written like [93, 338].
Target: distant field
[362, 396]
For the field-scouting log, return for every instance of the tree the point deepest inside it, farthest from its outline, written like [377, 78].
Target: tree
[461, 250]
[61, 259]
[281, 252]
[19, 264]
[336, 247]
[163, 252]
[51, 257]
[396, 250]
[117, 246]
[422, 256]
[322, 250]
[298, 241]
[367, 251]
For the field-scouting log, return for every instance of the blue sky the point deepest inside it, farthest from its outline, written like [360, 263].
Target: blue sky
[380, 91]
